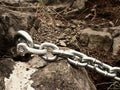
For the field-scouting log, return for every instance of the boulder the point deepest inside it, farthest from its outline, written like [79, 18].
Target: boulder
[57, 75]
[10, 22]
[95, 39]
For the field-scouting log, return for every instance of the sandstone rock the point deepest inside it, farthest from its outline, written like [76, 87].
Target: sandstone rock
[95, 39]
[116, 45]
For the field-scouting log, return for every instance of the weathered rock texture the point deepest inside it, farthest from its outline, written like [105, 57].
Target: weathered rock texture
[116, 46]
[57, 75]
[115, 31]
[61, 76]
[95, 39]
[10, 22]
[6, 68]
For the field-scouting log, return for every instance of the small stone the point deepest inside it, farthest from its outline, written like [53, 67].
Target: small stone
[62, 43]
[59, 23]
[74, 43]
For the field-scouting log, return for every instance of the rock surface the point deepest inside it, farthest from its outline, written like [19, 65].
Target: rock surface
[57, 75]
[61, 76]
[95, 39]
[116, 45]
[6, 68]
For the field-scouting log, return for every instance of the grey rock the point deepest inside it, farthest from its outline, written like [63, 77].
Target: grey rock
[95, 39]
[61, 76]
[11, 22]
[57, 75]
[17, 20]
[116, 45]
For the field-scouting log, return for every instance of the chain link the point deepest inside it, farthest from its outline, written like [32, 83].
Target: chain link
[23, 48]
[72, 56]
[24, 35]
[51, 45]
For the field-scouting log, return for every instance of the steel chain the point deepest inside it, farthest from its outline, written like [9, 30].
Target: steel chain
[72, 56]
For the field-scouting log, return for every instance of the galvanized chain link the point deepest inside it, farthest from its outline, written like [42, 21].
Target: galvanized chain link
[72, 56]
